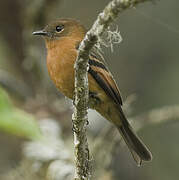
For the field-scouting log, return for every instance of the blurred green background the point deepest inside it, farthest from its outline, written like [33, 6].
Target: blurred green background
[145, 63]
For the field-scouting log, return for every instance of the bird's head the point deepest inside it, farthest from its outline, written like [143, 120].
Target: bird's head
[62, 28]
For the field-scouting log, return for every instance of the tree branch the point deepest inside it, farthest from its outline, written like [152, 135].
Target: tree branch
[82, 170]
[156, 116]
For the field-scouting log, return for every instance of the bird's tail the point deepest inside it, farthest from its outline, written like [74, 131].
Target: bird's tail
[137, 148]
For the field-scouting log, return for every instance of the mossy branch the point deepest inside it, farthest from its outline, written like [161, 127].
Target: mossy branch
[104, 19]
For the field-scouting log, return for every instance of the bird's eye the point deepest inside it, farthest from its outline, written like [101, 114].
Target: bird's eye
[59, 28]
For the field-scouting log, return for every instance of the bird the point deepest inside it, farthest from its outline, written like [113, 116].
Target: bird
[62, 38]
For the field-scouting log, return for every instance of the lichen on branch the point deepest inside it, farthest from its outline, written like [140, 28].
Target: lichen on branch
[80, 119]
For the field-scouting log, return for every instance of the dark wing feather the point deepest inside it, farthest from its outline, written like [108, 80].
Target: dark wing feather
[104, 78]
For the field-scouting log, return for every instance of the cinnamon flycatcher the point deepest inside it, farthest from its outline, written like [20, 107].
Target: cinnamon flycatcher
[62, 38]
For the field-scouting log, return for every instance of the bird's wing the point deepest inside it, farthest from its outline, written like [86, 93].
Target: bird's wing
[103, 77]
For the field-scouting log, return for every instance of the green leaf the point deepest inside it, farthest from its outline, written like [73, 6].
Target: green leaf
[16, 121]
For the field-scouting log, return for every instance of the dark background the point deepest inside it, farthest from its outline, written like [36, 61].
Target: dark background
[145, 63]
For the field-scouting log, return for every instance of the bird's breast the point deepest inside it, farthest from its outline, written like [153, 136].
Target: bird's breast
[60, 63]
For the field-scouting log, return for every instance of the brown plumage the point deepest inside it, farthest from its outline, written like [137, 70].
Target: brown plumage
[62, 38]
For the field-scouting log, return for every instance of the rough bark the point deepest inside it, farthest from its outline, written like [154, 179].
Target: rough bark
[80, 119]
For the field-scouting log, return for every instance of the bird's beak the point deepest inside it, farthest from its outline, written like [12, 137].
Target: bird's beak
[41, 33]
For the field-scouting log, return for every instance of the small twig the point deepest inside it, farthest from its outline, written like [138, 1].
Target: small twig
[14, 85]
[82, 170]
[156, 116]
